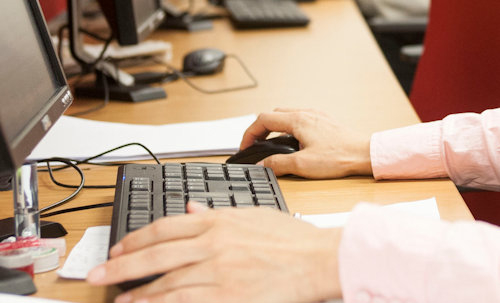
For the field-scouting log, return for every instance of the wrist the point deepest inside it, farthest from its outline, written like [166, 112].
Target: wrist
[328, 280]
[361, 160]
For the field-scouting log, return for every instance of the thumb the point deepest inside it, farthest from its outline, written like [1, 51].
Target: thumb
[282, 164]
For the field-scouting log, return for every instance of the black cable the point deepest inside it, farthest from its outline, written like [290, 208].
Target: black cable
[50, 170]
[60, 33]
[69, 163]
[103, 51]
[87, 160]
[91, 67]
[217, 91]
[63, 211]
[70, 197]
[93, 35]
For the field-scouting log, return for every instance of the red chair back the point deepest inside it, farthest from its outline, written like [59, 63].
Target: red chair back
[52, 8]
[460, 68]
[460, 72]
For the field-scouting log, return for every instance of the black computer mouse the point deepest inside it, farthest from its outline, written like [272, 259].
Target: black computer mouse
[204, 61]
[286, 144]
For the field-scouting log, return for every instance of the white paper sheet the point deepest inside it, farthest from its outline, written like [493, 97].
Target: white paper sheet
[426, 208]
[77, 138]
[24, 299]
[89, 252]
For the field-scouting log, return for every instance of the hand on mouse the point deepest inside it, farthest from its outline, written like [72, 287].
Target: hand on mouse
[328, 150]
[226, 255]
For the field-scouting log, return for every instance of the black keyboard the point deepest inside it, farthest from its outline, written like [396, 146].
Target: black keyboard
[265, 13]
[146, 192]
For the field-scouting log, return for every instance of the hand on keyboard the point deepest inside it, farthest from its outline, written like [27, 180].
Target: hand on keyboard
[226, 255]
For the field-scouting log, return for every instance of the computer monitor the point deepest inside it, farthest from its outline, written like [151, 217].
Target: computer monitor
[33, 88]
[132, 20]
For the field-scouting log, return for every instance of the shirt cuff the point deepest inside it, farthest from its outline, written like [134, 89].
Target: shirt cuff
[411, 152]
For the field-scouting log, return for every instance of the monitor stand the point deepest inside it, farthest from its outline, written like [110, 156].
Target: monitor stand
[121, 85]
[183, 20]
[26, 221]
[118, 91]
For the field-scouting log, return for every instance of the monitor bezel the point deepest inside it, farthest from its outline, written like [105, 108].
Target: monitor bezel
[15, 152]
[121, 19]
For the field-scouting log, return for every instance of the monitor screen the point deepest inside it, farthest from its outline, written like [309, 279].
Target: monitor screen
[132, 20]
[33, 90]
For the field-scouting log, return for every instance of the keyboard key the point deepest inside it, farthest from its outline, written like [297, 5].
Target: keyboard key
[240, 186]
[243, 198]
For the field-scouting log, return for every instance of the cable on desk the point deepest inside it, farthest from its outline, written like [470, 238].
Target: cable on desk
[184, 77]
[73, 209]
[86, 161]
[74, 164]
[70, 197]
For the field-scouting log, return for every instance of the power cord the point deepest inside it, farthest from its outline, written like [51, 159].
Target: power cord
[71, 196]
[73, 209]
[74, 164]
[90, 67]
[184, 77]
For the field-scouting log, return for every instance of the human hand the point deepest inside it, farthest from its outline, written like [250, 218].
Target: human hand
[328, 150]
[230, 255]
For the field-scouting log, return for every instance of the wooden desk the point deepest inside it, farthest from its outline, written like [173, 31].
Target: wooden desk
[332, 65]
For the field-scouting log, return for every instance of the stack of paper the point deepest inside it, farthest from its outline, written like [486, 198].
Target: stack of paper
[78, 139]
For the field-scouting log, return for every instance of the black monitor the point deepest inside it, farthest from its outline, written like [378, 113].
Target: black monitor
[33, 89]
[132, 20]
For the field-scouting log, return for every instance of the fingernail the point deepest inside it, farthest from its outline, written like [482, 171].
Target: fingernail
[97, 274]
[124, 298]
[116, 250]
[261, 163]
[142, 301]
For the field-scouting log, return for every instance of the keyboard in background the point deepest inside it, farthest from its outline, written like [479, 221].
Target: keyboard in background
[265, 13]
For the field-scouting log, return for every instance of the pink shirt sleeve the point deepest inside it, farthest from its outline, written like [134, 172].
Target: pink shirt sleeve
[464, 147]
[390, 257]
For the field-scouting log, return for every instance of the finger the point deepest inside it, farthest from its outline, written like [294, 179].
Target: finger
[282, 164]
[188, 276]
[287, 109]
[152, 260]
[195, 207]
[161, 230]
[265, 124]
[196, 294]
[302, 110]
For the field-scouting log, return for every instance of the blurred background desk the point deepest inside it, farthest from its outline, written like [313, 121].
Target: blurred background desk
[332, 65]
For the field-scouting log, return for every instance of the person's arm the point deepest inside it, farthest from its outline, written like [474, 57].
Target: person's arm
[387, 256]
[465, 147]
[327, 149]
[226, 255]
